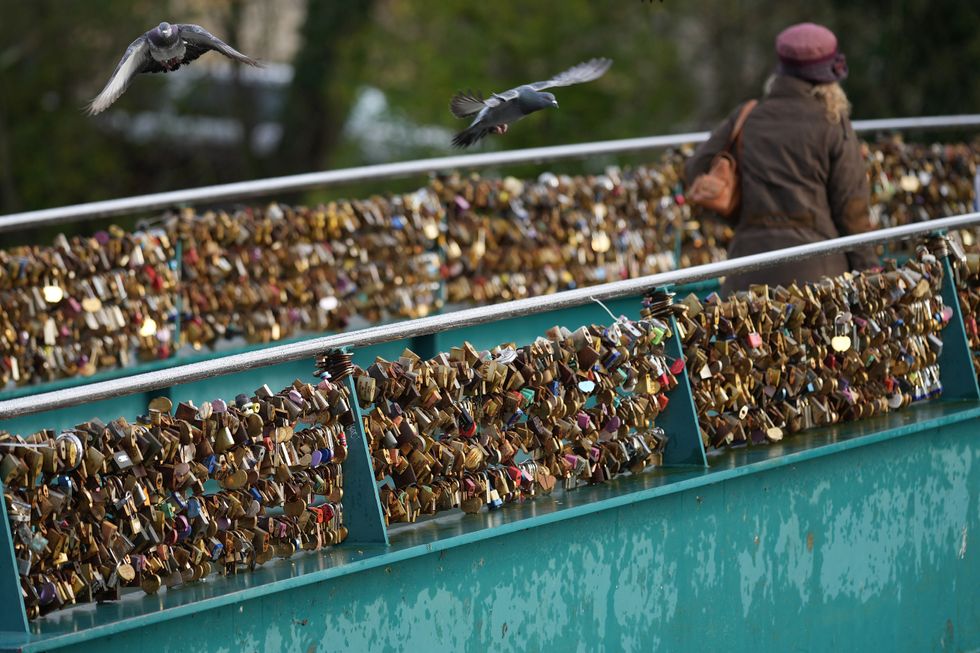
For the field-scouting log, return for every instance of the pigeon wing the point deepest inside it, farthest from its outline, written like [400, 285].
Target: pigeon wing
[583, 72]
[496, 99]
[467, 104]
[198, 41]
[136, 60]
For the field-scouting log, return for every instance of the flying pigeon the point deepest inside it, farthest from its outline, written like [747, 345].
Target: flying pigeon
[494, 114]
[164, 48]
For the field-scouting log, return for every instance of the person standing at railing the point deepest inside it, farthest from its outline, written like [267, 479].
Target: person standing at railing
[802, 176]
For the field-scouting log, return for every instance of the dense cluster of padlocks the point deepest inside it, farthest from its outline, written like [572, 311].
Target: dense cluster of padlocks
[773, 361]
[274, 272]
[177, 494]
[508, 239]
[473, 429]
[85, 304]
[271, 273]
[914, 183]
[185, 491]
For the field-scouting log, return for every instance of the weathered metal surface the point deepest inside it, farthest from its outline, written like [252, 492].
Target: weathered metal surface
[851, 537]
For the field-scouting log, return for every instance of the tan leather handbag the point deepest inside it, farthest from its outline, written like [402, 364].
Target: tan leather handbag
[719, 188]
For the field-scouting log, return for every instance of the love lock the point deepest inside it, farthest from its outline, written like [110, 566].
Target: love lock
[841, 342]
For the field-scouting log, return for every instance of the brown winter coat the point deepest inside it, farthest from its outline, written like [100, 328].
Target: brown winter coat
[803, 181]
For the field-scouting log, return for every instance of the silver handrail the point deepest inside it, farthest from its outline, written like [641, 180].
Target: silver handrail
[468, 317]
[306, 181]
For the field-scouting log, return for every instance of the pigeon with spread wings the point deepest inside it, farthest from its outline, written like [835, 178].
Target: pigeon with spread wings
[500, 109]
[164, 48]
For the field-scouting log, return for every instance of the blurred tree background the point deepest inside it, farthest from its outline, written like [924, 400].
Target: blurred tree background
[351, 82]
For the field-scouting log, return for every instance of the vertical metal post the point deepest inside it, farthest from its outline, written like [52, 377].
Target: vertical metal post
[956, 360]
[678, 245]
[425, 346]
[362, 502]
[680, 419]
[976, 191]
[13, 618]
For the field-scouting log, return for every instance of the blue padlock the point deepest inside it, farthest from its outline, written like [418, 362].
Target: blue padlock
[178, 499]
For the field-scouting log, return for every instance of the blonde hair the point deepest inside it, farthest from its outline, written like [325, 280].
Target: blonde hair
[835, 103]
[831, 96]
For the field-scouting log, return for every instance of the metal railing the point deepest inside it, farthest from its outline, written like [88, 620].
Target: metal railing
[307, 181]
[429, 325]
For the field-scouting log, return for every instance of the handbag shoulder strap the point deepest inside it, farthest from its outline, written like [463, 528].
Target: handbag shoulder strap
[740, 122]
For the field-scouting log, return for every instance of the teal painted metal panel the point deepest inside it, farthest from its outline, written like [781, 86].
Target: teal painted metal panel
[958, 377]
[362, 504]
[853, 537]
[680, 420]
[60, 419]
[12, 615]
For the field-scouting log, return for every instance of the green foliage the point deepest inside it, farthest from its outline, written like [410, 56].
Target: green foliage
[320, 95]
[493, 46]
[50, 54]
[678, 66]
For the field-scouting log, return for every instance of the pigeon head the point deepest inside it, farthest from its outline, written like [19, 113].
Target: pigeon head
[531, 100]
[163, 35]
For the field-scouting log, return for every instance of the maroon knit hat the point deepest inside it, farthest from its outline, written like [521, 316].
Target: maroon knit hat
[809, 51]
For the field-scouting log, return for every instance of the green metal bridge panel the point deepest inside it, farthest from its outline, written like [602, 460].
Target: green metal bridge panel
[684, 444]
[524, 330]
[854, 537]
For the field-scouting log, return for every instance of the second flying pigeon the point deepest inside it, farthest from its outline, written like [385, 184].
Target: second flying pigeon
[500, 109]
[164, 48]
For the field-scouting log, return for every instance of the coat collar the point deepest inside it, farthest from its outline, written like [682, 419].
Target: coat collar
[788, 86]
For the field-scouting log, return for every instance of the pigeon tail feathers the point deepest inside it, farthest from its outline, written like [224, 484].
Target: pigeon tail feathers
[466, 104]
[470, 135]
